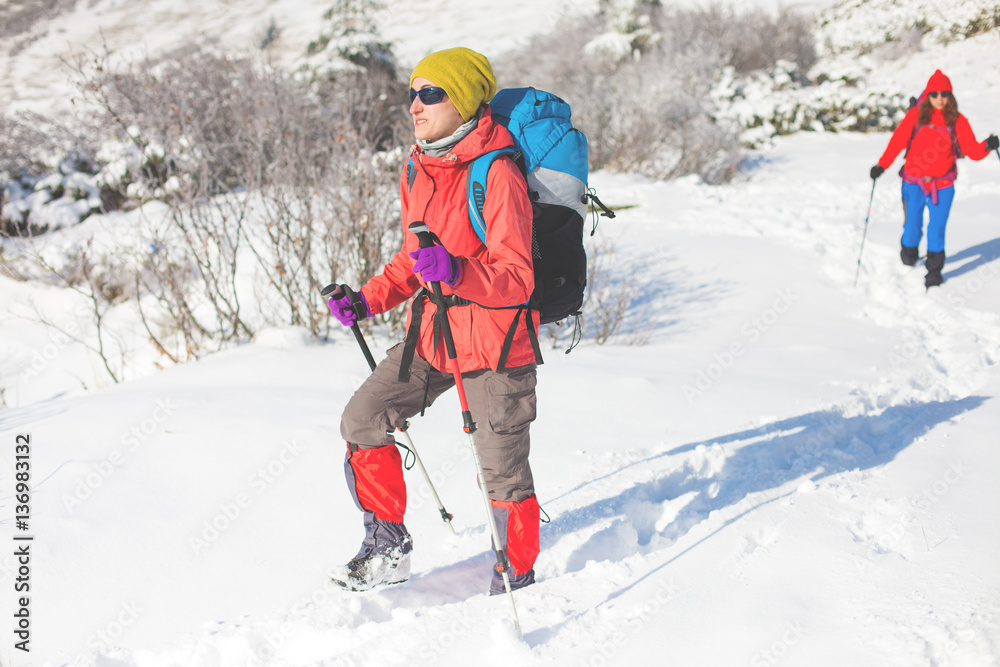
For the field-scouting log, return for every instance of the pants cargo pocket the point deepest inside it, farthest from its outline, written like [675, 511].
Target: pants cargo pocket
[511, 398]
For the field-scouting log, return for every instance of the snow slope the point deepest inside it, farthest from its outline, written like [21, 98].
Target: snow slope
[34, 68]
[793, 471]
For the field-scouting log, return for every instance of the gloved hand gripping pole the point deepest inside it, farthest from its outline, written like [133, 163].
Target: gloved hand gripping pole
[356, 301]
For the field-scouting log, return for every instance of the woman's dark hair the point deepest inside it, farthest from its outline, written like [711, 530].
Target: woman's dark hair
[950, 110]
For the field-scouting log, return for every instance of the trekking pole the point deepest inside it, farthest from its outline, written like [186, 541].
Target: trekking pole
[865, 234]
[423, 234]
[355, 299]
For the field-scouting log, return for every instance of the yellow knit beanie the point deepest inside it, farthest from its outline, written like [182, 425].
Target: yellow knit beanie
[464, 74]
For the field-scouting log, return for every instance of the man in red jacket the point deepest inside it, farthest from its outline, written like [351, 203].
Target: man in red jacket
[934, 135]
[449, 95]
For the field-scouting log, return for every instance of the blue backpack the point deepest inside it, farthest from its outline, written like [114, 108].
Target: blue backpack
[552, 155]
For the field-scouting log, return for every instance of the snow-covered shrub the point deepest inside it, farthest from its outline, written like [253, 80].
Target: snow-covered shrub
[35, 205]
[289, 179]
[47, 176]
[782, 100]
[350, 40]
[748, 40]
[639, 77]
[861, 26]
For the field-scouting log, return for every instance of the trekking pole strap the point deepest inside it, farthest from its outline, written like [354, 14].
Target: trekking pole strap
[412, 336]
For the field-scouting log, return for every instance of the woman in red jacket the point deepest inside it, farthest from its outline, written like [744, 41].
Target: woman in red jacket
[449, 92]
[934, 135]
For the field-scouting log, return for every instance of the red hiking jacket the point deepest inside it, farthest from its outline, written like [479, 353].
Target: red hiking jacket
[930, 155]
[495, 275]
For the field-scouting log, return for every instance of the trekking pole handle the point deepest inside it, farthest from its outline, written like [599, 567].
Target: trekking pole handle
[423, 233]
[330, 290]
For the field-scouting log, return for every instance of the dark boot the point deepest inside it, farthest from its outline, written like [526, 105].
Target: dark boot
[935, 262]
[516, 581]
[908, 255]
[384, 557]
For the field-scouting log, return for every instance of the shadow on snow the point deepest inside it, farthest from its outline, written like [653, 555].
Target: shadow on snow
[980, 254]
[811, 446]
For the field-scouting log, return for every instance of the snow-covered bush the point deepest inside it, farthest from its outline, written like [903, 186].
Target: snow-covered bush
[861, 26]
[748, 40]
[782, 100]
[350, 40]
[639, 77]
[274, 185]
[47, 176]
[35, 205]
[833, 94]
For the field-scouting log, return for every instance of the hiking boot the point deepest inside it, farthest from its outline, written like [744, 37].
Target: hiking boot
[908, 255]
[516, 581]
[384, 557]
[934, 263]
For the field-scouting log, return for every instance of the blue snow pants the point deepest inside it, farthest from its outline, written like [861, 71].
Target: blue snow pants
[914, 202]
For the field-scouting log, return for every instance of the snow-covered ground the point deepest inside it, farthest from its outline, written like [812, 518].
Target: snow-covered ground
[793, 470]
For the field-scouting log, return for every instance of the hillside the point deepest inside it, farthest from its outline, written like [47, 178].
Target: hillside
[789, 470]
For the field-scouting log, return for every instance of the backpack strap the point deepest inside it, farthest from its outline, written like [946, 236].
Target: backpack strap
[479, 169]
[509, 339]
[411, 172]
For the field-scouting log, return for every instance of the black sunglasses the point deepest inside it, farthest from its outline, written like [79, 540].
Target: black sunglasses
[944, 93]
[429, 95]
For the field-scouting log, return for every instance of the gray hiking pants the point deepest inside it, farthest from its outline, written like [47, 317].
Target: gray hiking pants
[502, 406]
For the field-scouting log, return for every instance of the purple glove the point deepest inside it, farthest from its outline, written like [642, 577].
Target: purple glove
[435, 264]
[347, 313]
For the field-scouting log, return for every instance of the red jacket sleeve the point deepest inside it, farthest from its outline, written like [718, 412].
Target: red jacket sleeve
[502, 275]
[971, 148]
[900, 137]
